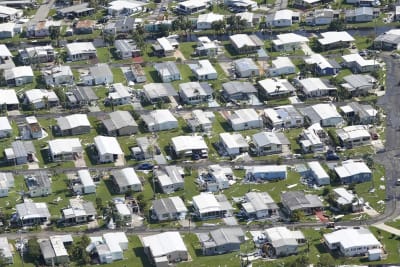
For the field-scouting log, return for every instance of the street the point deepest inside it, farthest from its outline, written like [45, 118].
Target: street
[42, 12]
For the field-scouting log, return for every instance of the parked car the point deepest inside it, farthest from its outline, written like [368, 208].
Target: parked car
[145, 166]
[331, 155]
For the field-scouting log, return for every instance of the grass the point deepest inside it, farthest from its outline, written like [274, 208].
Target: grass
[198, 260]
[187, 49]
[103, 54]
[292, 135]
[363, 189]
[119, 76]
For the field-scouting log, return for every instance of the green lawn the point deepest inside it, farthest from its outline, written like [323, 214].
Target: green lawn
[364, 189]
[103, 54]
[119, 76]
[187, 49]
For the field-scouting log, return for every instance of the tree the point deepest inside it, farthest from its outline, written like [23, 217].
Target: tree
[337, 25]
[99, 203]
[297, 216]
[34, 252]
[325, 260]
[326, 191]
[78, 251]
[55, 34]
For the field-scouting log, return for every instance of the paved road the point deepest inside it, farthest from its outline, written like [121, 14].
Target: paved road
[42, 12]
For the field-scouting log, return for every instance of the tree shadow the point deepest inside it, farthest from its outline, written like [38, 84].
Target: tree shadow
[154, 76]
[91, 154]
[139, 252]
[45, 153]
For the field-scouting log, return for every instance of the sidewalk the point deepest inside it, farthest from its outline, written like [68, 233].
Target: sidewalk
[387, 228]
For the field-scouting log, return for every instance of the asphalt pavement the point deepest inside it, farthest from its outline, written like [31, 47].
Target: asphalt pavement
[42, 12]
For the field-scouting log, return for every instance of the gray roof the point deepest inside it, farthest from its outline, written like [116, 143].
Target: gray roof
[174, 173]
[359, 80]
[100, 69]
[311, 114]
[84, 94]
[159, 90]
[22, 148]
[244, 64]
[191, 89]
[168, 67]
[37, 179]
[125, 45]
[360, 109]
[235, 87]
[221, 237]
[295, 200]
[334, 63]
[47, 249]
[32, 210]
[164, 206]
[388, 38]
[125, 21]
[119, 119]
[74, 8]
[261, 201]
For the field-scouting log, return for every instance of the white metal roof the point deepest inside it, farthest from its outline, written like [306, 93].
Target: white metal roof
[242, 40]
[122, 209]
[266, 169]
[18, 72]
[85, 178]
[37, 95]
[244, 115]
[317, 169]
[334, 37]
[272, 85]
[67, 145]
[5, 124]
[163, 116]
[289, 38]
[209, 18]
[58, 246]
[283, 14]
[206, 202]
[352, 238]
[282, 236]
[326, 111]
[165, 44]
[164, 244]
[185, 142]
[353, 132]
[8, 96]
[76, 120]
[282, 62]
[233, 140]
[4, 52]
[204, 67]
[350, 168]
[345, 197]
[107, 145]
[359, 60]
[314, 84]
[80, 47]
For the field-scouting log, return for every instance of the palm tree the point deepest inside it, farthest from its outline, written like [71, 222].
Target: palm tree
[55, 34]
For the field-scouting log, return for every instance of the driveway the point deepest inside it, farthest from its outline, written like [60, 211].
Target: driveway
[387, 228]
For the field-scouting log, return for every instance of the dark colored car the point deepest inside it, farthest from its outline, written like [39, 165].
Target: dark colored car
[330, 155]
[145, 166]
